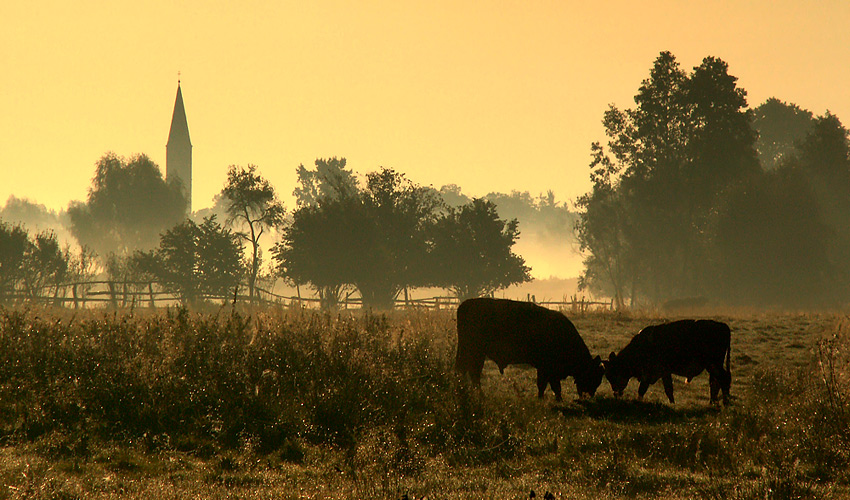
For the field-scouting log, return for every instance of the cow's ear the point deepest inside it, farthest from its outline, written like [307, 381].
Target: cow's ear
[612, 356]
[597, 359]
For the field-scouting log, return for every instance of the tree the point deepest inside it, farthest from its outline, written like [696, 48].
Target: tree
[374, 240]
[330, 180]
[46, 265]
[321, 246]
[193, 261]
[128, 206]
[668, 161]
[780, 126]
[251, 203]
[824, 158]
[600, 230]
[14, 242]
[398, 214]
[471, 251]
[30, 265]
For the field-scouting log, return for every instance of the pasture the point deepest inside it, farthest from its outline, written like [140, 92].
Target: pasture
[270, 403]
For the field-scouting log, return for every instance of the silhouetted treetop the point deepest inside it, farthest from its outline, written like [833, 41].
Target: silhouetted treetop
[128, 205]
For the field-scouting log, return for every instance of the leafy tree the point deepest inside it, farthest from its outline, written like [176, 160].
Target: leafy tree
[330, 180]
[46, 265]
[471, 251]
[193, 261]
[601, 231]
[398, 214]
[780, 126]
[128, 206]
[668, 161]
[321, 247]
[374, 240]
[14, 243]
[251, 203]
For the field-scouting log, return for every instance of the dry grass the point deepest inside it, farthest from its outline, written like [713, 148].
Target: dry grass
[283, 404]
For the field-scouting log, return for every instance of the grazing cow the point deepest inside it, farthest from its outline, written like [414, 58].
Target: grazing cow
[511, 332]
[684, 348]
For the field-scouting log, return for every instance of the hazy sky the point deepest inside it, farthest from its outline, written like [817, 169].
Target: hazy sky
[489, 95]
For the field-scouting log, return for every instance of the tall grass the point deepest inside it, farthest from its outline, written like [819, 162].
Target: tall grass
[369, 405]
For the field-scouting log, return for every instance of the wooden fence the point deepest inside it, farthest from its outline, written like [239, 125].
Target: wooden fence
[127, 294]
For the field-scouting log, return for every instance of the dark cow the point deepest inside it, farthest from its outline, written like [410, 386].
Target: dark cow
[511, 332]
[684, 348]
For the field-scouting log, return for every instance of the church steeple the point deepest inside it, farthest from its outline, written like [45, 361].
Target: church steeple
[178, 150]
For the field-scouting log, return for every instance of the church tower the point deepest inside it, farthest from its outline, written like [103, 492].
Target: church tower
[178, 151]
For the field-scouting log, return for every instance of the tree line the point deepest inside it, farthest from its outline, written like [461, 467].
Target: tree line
[377, 239]
[693, 194]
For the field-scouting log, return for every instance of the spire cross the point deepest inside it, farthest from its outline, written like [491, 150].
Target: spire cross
[178, 78]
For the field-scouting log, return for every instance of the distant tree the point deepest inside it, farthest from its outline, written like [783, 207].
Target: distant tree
[452, 195]
[219, 258]
[253, 207]
[601, 231]
[28, 213]
[825, 153]
[46, 265]
[780, 126]
[14, 243]
[321, 247]
[329, 181]
[327, 200]
[398, 215]
[128, 206]
[375, 240]
[471, 251]
[193, 261]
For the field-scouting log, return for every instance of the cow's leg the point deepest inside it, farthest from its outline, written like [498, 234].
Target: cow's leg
[719, 380]
[644, 386]
[713, 385]
[475, 368]
[556, 387]
[725, 382]
[668, 386]
[542, 381]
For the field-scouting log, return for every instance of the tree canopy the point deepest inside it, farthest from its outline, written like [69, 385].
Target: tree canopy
[681, 205]
[667, 162]
[129, 204]
[391, 234]
[471, 251]
[194, 260]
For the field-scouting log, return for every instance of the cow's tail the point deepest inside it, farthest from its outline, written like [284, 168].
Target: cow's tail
[729, 352]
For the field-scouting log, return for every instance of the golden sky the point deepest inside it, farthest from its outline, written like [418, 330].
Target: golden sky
[490, 95]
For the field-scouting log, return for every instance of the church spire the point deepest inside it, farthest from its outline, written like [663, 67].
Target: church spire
[178, 150]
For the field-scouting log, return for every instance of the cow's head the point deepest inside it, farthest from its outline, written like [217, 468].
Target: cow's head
[615, 375]
[589, 381]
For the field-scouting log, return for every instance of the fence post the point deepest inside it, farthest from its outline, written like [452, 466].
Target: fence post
[112, 298]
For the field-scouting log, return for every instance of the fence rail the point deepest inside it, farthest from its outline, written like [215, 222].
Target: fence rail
[121, 294]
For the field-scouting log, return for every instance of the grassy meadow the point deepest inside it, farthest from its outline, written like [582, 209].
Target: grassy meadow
[262, 404]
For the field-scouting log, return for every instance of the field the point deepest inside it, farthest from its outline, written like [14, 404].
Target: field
[299, 404]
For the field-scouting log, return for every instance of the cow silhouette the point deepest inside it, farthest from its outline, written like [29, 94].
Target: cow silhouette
[511, 332]
[685, 347]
